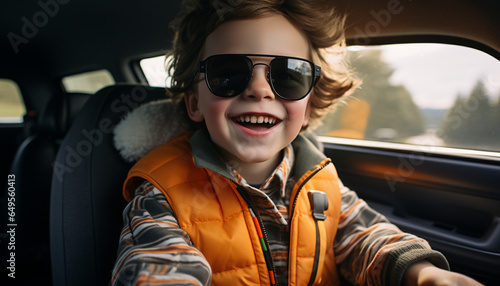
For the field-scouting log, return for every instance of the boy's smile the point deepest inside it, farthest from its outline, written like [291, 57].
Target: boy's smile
[257, 124]
[253, 127]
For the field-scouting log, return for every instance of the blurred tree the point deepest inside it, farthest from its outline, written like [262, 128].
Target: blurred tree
[495, 123]
[391, 113]
[453, 129]
[473, 122]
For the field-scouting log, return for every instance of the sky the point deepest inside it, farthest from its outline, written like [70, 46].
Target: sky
[435, 73]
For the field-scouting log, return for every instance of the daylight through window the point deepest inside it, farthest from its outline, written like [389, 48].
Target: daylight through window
[423, 94]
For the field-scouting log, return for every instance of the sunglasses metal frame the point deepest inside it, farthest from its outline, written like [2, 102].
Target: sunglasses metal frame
[316, 72]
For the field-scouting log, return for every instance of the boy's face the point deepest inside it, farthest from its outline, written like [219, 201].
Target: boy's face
[244, 142]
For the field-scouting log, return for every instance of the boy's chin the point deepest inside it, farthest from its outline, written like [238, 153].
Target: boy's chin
[249, 154]
[254, 156]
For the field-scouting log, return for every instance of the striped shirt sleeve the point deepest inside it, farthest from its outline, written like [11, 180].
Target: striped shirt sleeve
[153, 249]
[370, 250]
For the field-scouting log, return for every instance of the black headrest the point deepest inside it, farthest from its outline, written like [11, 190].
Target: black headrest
[60, 112]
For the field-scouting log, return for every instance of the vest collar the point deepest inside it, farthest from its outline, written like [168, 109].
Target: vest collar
[307, 154]
[206, 155]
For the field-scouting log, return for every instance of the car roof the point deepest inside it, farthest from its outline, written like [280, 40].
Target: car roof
[82, 35]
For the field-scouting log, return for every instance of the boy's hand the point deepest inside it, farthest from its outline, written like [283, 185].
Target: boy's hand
[424, 274]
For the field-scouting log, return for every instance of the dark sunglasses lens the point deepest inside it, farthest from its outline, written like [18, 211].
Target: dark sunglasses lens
[228, 75]
[291, 78]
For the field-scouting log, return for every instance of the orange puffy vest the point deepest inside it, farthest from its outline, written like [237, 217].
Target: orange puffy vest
[211, 209]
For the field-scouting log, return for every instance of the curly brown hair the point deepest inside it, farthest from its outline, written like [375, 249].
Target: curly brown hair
[319, 19]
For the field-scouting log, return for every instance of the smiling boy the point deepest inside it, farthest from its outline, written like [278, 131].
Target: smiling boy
[254, 147]
[247, 199]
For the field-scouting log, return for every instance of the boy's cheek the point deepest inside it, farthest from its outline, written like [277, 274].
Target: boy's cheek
[299, 109]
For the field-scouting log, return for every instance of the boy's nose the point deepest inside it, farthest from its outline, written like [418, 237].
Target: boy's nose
[259, 87]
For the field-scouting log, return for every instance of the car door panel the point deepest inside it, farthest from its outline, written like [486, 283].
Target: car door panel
[451, 201]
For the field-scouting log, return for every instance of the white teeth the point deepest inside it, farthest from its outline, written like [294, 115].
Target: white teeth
[254, 119]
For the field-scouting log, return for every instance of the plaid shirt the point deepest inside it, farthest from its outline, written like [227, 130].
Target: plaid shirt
[368, 249]
[272, 199]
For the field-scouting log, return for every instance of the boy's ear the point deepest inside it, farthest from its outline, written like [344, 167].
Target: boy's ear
[191, 100]
[307, 115]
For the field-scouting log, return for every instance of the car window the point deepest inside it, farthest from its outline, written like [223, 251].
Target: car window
[12, 108]
[423, 94]
[88, 82]
[154, 71]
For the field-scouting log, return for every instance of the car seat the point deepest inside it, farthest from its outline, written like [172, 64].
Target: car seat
[32, 168]
[86, 201]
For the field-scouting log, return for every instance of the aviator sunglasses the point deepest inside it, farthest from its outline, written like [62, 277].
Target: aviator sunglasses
[229, 75]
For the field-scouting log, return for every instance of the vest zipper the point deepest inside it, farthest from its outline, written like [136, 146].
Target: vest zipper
[315, 264]
[264, 240]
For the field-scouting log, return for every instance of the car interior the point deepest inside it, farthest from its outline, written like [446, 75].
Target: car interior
[62, 202]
